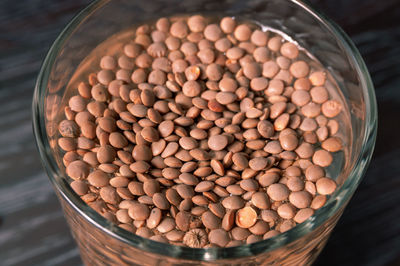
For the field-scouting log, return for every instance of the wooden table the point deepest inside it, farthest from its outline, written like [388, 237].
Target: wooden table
[32, 227]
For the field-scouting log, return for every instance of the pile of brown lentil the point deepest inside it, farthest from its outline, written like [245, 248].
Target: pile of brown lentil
[203, 133]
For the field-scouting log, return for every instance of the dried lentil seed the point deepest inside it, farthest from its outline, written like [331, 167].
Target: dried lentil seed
[204, 108]
[246, 217]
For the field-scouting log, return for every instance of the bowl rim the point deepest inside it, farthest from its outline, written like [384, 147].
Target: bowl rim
[336, 201]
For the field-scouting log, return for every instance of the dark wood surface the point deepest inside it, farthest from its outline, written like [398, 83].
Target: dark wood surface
[32, 227]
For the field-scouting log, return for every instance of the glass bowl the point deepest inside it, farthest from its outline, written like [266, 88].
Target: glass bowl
[102, 242]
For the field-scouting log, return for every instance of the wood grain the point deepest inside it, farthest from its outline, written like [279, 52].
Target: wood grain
[32, 227]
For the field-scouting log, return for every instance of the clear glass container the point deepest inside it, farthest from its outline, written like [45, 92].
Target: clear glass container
[103, 243]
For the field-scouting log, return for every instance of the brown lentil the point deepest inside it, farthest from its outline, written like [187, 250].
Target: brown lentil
[246, 217]
[202, 125]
